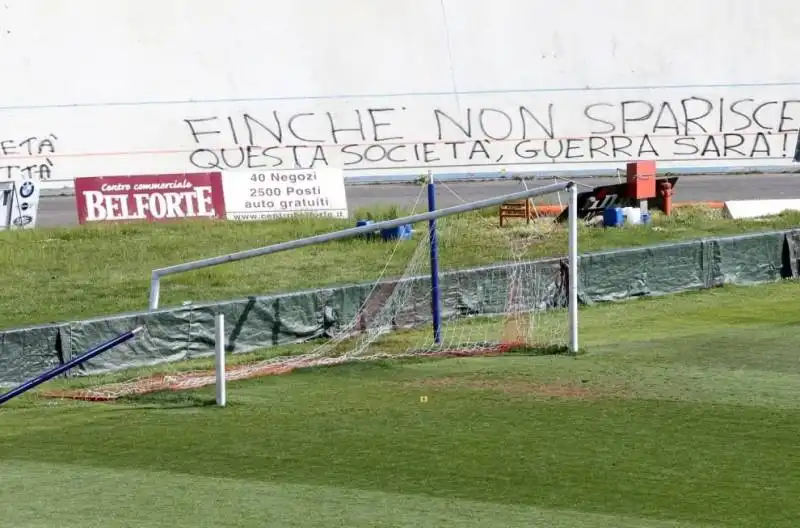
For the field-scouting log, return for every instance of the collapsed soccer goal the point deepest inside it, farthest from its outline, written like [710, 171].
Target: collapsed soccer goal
[442, 283]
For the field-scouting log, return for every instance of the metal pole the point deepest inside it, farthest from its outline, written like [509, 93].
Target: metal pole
[50, 374]
[219, 349]
[351, 232]
[155, 290]
[573, 267]
[436, 308]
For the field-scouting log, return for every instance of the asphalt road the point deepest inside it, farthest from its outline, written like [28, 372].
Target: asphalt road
[60, 210]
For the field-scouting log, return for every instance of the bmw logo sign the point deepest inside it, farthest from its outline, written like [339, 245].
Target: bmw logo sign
[22, 221]
[26, 190]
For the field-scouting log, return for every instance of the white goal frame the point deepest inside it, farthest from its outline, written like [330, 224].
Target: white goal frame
[573, 259]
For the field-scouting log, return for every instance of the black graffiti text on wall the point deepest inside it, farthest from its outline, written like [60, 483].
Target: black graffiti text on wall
[698, 127]
[693, 115]
[688, 128]
[361, 137]
[27, 157]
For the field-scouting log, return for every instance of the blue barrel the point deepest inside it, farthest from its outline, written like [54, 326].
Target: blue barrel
[402, 232]
[362, 223]
[613, 217]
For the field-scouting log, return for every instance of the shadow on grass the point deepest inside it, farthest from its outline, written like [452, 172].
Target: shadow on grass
[166, 400]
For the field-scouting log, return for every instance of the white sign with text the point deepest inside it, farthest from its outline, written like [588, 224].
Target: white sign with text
[258, 195]
[19, 204]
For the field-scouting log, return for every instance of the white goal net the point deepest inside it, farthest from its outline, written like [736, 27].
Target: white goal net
[493, 294]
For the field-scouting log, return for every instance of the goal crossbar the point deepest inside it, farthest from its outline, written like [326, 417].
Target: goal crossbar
[157, 274]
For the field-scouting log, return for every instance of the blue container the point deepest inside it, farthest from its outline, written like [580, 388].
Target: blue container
[362, 223]
[402, 232]
[646, 218]
[613, 217]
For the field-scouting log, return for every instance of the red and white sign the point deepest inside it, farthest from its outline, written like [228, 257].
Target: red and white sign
[156, 197]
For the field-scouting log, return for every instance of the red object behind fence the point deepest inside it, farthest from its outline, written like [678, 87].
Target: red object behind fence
[152, 197]
[641, 180]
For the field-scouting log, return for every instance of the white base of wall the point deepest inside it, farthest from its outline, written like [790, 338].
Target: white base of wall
[737, 209]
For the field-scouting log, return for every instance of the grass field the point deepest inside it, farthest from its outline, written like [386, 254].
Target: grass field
[684, 412]
[72, 273]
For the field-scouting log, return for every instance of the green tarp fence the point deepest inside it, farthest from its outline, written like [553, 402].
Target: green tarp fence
[260, 322]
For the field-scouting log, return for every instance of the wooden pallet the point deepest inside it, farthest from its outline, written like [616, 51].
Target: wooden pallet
[517, 209]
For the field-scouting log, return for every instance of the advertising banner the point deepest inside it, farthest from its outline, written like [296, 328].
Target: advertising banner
[260, 195]
[153, 197]
[19, 204]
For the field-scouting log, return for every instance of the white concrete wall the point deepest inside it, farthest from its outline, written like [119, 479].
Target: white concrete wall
[382, 87]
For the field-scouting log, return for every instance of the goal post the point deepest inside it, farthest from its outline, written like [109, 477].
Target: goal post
[157, 274]
[363, 343]
[436, 305]
[219, 358]
[572, 303]
[461, 286]
[572, 223]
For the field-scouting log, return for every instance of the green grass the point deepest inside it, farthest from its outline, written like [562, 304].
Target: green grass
[73, 273]
[684, 412]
